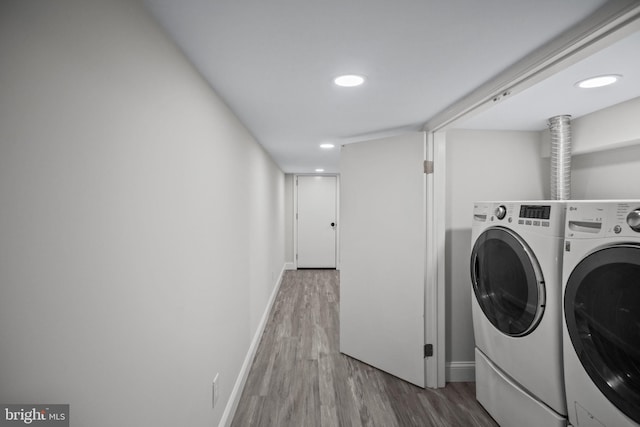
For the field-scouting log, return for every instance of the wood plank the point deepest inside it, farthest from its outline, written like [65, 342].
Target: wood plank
[300, 378]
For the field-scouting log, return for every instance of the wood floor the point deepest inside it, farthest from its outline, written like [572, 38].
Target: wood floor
[299, 377]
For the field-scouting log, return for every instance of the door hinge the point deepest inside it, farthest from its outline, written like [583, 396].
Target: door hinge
[428, 167]
[428, 350]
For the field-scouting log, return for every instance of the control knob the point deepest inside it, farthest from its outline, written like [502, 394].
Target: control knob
[501, 212]
[633, 219]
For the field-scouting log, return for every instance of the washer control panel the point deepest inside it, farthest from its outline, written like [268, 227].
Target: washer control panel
[603, 218]
[633, 220]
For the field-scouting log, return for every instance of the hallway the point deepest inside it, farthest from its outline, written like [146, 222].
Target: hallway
[299, 377]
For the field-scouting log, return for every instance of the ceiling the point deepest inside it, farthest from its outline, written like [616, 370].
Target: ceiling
[559, 95]
[273, 63]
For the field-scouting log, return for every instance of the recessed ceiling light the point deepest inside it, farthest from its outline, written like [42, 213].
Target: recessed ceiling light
[327, 146]
[598, 81]
[349, 80]
[319, 170]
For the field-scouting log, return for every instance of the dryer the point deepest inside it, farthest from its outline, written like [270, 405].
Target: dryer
[601, 328]
[516, 277]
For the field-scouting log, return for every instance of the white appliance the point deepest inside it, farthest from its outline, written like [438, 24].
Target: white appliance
[601, 328]
[516, 274]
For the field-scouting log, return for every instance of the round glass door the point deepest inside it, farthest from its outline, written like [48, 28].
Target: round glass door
[602, 311]
[507, 281]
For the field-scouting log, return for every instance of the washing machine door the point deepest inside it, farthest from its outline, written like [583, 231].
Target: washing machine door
[602, 313]
[507, 281]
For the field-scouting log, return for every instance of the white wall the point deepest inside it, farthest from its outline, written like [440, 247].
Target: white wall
[608, 159]
[610, 174]
[141, 226]
[481, 165]
[289, 244]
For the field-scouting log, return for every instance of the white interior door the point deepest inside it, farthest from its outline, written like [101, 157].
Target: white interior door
[382, 254]
[317, 222]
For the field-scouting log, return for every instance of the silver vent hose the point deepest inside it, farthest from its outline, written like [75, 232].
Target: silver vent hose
[560, 127]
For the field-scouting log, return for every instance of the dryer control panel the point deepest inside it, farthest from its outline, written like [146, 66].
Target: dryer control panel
[545, 216]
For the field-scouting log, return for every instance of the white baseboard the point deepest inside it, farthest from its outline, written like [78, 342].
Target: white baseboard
[456, 372]
[289, 265]
[236, 393]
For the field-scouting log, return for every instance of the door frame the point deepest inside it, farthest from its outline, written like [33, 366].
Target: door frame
[434, 275]
[295, 215]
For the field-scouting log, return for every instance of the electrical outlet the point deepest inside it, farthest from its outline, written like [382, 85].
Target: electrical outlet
[215, 392]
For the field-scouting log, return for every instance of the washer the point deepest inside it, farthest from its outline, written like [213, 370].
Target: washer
[516, 276]
[601, 328]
